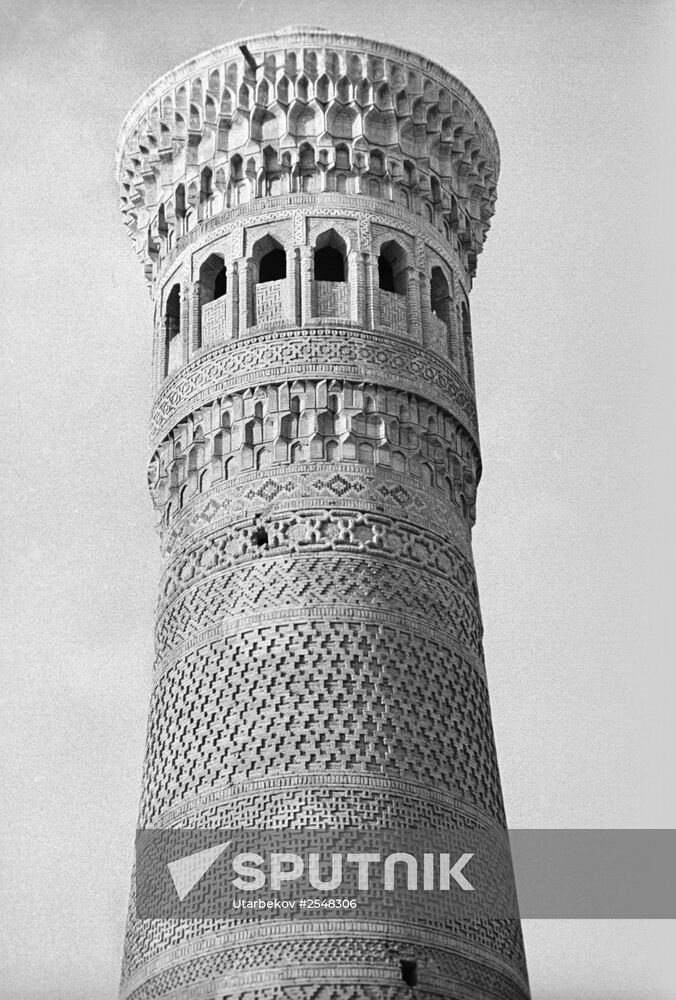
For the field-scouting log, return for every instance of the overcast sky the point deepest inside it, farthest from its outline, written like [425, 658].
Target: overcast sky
[575, 522]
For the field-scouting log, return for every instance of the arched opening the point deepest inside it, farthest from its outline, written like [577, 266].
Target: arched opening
[330, 257]
[269, 266]
[393, 285]
[172, 327]
[213, 286]
[385, 275]
[213, 279]
[331, 292]
[392, 269]
[329, 264]
[272, 266]
[181, 209]
[440, 297]
[441, 306]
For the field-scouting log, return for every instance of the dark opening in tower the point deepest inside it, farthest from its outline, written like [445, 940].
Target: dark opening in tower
[440, 296]
[213, 279]
[409, 971]
[272, 266]
[330, 258]
[172, 321]
[329, 265]
[392, 269]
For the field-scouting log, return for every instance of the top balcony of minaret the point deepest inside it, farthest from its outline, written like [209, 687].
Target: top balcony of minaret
[305, 110]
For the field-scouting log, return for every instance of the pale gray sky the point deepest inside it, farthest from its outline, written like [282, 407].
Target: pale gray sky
[574, 536]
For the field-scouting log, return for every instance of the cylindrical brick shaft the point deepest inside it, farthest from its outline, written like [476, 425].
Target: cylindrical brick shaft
[309, 229]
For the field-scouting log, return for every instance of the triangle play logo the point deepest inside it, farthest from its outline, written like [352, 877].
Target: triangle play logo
[187, 872]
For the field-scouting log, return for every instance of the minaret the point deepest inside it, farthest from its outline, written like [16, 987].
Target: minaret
[309, 208]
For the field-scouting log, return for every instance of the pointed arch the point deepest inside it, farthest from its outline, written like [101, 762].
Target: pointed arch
[392, 268]
[173, 348]
[330, 257]
[269, 260]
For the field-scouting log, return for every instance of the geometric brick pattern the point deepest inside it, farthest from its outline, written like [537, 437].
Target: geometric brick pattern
[303, 421]
[314, 466]
[362, 697]
[443, 966]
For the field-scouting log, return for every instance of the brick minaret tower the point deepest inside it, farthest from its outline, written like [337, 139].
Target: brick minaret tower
[309, 213]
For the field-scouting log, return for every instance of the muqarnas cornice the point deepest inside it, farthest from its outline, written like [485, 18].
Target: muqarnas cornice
[322, 112]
